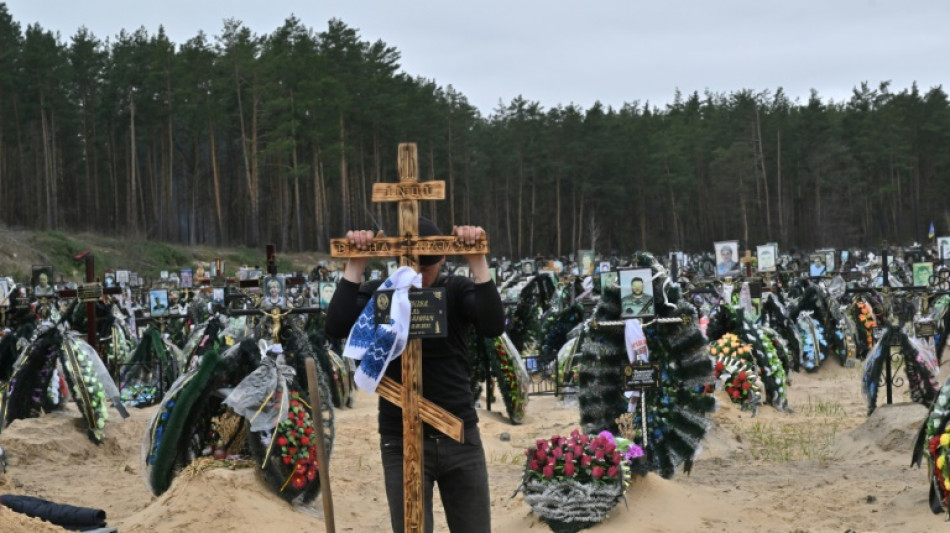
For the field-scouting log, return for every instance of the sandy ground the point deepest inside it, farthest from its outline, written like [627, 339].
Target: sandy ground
[824, 467]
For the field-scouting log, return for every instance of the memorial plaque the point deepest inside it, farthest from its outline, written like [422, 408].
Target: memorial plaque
[89, 292]
[925, 328]
[641, 376]
[428, 319]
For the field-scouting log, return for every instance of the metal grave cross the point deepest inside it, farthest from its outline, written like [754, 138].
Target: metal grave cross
[408, 246]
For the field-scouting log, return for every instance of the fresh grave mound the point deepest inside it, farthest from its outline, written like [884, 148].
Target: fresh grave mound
[14, 522]
[219, 499]
[891, 428]
[51, 457]
[59, 437]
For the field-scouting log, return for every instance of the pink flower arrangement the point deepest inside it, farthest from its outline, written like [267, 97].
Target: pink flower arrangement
[583, 458]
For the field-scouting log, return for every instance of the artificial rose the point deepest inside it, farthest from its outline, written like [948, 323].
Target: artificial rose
[569, 469]
[612, 471]
[597, 472]
[585, 460]
[548, 471]
[534, 466]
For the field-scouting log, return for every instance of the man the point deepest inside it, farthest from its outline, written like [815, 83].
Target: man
[458, 468]
[817, 266]
[726, 265]
[637, 302]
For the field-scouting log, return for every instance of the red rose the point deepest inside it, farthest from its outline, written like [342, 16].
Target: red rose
[292, 450]
[568, 457]
[578, 451]
[585, 460]
[746, 385]
[548, 471]
[719, 366]
[534, 466]
[540, 455]
[599, 455]
[734, 394]
[615, 458]
[311, 474]
[557, 452]
[304, 440]
[569, 469]
[282, 441]
[597, 472]
[288, 459]
[612, 472]
[308, 431]
[298, 481]
[741, 375]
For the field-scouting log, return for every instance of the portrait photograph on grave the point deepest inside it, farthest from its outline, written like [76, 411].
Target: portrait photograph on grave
[217, 295]
[922, 274]
[187, 277]
[122, 277]
[943, 248]
[108, 279]
[327, 288]
[765, 255]
[636, 292]
[585, 261]
[41, 280]
[816, 265]
[604, 266]
[527, 267]
[830, 255]
[273, 292]
[158, 302]
[727, 258]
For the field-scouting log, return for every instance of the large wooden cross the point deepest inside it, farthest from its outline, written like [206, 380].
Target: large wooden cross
[408, 395]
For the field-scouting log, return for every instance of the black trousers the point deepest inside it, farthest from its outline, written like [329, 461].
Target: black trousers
[458, 469]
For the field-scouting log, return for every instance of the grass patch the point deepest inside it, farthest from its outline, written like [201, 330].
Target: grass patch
[786, 442]
[820, 407]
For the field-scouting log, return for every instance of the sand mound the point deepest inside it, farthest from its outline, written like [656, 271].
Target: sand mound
[220, 500]
[14, 522]
[891, 428]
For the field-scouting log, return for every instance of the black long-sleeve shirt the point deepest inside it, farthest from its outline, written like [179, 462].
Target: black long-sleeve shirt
[445, 361]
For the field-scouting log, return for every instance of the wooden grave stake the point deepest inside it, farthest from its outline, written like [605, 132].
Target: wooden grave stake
[746, 261]
[408, 395]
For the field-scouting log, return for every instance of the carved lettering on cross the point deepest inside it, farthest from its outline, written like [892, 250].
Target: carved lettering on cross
[408, 395]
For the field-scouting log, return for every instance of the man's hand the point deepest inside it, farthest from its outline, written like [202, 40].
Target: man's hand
[477, 264]
[356, 265]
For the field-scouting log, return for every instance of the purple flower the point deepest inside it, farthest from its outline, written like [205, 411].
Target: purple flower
[633, 452]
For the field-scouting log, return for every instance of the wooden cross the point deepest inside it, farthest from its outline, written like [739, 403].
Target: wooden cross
[408, 395]
[746, 261]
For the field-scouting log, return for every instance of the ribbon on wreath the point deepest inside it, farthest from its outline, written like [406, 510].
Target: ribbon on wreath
[375, 346]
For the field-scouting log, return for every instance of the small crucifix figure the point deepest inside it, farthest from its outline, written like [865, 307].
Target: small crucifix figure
[482, 309]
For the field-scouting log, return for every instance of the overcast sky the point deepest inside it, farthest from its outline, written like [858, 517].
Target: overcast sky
[559, 52]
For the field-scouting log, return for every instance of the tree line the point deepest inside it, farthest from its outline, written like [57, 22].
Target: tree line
[252, 139]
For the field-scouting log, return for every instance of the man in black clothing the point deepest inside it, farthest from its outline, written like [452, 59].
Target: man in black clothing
[458, 468]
